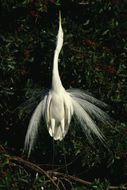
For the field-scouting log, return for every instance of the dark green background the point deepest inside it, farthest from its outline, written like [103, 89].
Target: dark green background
[93, 58]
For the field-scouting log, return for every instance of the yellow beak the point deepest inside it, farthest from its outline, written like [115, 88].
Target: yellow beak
[60, 18]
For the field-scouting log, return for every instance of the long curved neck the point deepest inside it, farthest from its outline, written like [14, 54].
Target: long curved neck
[56, 81]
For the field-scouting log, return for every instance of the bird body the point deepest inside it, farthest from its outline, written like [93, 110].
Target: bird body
[59, 105]
[59, 111]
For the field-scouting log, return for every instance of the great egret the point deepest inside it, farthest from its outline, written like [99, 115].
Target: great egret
[59, 105]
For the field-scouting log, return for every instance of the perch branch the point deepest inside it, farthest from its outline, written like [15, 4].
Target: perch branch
[33, 167]
[55, 173]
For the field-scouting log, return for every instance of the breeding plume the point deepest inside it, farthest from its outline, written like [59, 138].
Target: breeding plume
[59, 105]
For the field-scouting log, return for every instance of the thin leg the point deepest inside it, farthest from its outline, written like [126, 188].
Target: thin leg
[65, 160]
[53, 155]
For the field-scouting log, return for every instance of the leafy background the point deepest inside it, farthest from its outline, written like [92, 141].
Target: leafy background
[93, 58]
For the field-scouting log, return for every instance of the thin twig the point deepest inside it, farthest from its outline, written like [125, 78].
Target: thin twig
[71, 177]
[59, 167]
[87, 182]
[60, 181]
[2, 150]
[33, 167]
[68, 182]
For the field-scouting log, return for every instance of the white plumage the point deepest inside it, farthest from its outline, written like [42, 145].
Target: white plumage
[59, 105]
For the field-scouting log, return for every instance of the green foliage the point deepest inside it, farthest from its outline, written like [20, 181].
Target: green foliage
[93, 58]
[20, 179]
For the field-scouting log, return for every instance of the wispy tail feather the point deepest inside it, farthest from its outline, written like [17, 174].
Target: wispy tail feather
[95, 112]
[33, 128]
[85, 96]
[33, 97]
[86, 122]
[87, 109]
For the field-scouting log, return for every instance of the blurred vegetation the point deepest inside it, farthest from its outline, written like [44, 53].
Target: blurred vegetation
[94, 58]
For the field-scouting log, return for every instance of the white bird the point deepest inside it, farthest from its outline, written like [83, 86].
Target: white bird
[59, 105]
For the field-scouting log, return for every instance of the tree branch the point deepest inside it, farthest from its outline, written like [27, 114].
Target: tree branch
[38, 169]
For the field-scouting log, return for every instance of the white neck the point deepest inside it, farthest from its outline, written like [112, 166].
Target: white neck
[56, 82]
